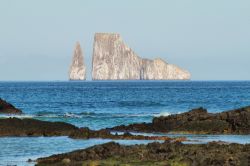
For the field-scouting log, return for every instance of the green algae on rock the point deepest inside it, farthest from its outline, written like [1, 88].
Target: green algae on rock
[167, 153]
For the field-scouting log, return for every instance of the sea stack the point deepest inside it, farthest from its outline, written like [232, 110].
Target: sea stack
[114, 60]
[78, 68]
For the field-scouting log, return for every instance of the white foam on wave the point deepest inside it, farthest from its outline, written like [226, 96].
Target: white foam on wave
[71, 115]
[81, 115]
[162, 114]
[166, 113]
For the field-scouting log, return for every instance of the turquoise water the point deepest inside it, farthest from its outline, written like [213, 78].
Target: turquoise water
[105, 104]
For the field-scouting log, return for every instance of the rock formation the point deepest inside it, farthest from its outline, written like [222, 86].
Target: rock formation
[7, 108]
[167, 153]
[114, 60]
[77, 69]
[197, 121]
[32, 127]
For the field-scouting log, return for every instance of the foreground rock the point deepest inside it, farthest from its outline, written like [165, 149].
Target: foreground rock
[155, 154]
[114, 60]
[32, 127]
[77, 68]
[7, 108]
[197, 121]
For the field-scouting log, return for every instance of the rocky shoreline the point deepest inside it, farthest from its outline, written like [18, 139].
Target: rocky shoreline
[167, 153]
[34, 128]
[196, 121]
[172, 152]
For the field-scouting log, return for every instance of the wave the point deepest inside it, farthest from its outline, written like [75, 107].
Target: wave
[162, 114]
[166, 114]
[77, 115]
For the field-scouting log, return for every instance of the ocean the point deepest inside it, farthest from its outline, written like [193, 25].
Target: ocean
[101, 104]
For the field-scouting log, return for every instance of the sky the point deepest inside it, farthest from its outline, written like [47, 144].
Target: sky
[211, 39]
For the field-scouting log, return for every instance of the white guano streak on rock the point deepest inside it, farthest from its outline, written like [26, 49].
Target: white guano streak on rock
[77, 69]
[114, 60]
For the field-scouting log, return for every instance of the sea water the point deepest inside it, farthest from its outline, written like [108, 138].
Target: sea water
[101, 104]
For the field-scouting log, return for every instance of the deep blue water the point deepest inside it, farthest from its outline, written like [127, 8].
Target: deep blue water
[106, 104]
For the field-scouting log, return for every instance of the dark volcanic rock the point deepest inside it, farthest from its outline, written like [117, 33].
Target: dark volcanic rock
[86, 133]
[197, 121]
[7, 108]
[155, 154]
[32, 127]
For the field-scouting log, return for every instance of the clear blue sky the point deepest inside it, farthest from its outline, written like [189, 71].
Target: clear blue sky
[209, 38]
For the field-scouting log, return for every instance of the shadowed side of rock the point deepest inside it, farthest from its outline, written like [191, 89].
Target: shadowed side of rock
[166, 153]
[197, 121]
[7, 108]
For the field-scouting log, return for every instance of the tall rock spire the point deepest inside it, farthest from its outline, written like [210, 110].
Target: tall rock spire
[114, 60]
[77, 68]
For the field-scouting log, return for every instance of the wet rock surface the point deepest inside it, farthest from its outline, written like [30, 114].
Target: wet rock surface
[7, 108]
[167, 153]
[197, 121]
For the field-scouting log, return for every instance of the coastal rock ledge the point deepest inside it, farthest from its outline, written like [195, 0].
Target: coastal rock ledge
[114, 60]
[197, 121]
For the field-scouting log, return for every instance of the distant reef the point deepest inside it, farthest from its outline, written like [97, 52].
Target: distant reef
[77, 69]
[114, 60]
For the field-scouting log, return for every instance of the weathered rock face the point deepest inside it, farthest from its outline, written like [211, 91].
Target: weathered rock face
[114, 60]
[7, 108]
[197, 121]
[77, 69]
